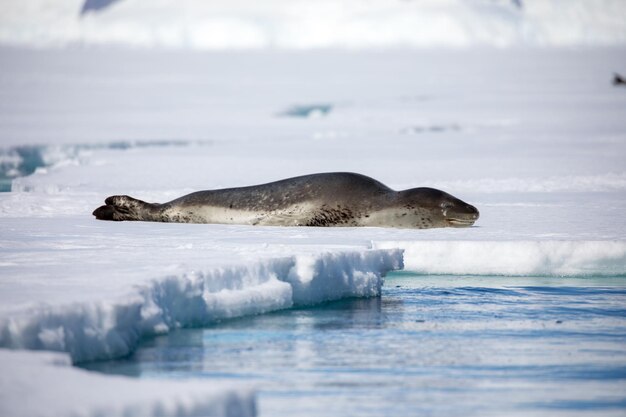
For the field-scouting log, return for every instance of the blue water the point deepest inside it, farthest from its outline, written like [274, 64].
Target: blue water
[18, 162]
[429, 346]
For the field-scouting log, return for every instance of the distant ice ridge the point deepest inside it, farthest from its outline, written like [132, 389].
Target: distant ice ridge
[42, 384]
[111, 328]
[302, 24]
[532, 258]
[17, 163]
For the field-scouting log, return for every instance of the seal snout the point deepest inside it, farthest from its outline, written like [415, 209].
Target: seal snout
[464, 216]
[471, 215]
[473, 212]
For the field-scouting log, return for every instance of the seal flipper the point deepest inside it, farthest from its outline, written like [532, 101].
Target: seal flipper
[105, 213]
[123, 207]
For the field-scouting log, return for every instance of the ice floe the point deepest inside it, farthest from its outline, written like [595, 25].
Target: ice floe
[41, 384]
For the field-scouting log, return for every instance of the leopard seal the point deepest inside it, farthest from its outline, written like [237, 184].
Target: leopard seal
[327, 199]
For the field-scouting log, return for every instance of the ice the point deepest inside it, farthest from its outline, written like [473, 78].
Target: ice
[532, 137]
[44, 384]
[303, 24]
[68, 284]
[527, 258]
[90, 289]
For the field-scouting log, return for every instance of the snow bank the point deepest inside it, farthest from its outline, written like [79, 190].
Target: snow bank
[109, 328]
[41, 384]
[530, 258]
[304, 24]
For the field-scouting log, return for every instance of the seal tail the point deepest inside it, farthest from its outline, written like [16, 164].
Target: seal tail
[123, 207]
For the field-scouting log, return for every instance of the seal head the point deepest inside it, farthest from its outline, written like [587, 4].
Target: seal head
[443, 209]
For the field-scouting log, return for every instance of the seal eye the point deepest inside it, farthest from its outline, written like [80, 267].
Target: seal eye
[445, 206]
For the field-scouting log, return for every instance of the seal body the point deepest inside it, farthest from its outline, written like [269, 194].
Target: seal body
[328, 199]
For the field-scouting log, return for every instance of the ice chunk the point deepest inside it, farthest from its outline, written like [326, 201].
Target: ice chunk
[44, 384]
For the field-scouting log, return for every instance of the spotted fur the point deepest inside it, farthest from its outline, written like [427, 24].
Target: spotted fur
[330, 199]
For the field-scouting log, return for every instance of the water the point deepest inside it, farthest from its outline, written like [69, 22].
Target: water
[434, 346]
[18, 162]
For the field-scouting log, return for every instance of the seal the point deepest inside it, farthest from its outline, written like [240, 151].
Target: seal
[327, 199]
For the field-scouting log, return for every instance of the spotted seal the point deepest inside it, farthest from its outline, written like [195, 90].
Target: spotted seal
[328, 199]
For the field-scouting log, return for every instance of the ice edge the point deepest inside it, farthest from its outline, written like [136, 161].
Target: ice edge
[555, 258]
[112, 328]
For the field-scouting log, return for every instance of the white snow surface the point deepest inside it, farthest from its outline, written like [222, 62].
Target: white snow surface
[305, 24]
[534, 138]
[74, 392]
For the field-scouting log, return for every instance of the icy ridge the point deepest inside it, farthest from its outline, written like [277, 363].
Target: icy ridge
[112, 328]
[300, 24]
[531, 258]
[44, 169]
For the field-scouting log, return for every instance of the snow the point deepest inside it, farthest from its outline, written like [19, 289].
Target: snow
[44, 384]
[532, 137]
[301, 24]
